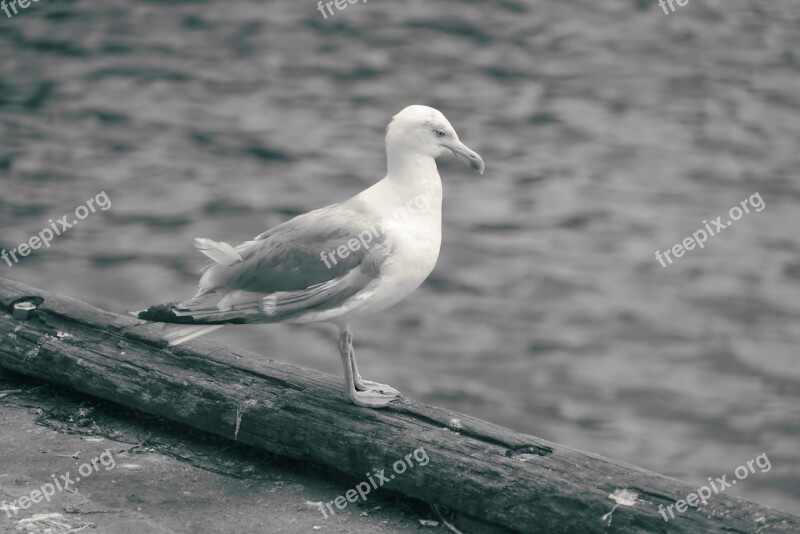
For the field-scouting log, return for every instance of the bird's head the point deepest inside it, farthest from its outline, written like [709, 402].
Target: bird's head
[425, 130]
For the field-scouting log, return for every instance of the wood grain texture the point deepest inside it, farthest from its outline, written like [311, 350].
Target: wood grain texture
[501, 477]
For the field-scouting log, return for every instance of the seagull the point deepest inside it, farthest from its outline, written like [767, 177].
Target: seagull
[337, 263]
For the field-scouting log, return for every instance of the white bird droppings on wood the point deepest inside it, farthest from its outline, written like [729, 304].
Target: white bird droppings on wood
[622, 497]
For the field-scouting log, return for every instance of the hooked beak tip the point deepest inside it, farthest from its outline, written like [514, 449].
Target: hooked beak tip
[472, 158]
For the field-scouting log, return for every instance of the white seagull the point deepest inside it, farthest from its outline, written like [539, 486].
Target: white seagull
[336, 263]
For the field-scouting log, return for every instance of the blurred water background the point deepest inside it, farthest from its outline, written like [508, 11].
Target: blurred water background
[609, 130]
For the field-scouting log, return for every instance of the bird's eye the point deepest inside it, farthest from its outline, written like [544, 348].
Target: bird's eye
[440, 133]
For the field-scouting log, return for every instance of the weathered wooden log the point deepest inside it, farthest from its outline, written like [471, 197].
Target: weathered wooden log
[484, 471]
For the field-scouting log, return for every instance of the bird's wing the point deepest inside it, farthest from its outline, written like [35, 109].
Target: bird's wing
[282, 273]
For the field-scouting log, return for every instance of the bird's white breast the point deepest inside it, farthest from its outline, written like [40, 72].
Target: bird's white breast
[411, 221]
[413, 230]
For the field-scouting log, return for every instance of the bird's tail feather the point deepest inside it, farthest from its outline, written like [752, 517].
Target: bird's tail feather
[176, 334]
[178, 329]
[219, 251]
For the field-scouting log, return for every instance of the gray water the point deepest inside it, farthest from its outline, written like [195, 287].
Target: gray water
[609, 129]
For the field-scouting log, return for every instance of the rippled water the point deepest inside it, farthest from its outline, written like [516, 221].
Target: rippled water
[609, 130]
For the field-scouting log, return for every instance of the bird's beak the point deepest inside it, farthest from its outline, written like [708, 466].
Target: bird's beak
[472, 158]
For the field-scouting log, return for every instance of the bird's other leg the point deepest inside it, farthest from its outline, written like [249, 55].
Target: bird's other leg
[367, 385]
[369, 398]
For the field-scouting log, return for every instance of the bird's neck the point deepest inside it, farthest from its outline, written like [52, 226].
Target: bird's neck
[410, 168]
[414, 176]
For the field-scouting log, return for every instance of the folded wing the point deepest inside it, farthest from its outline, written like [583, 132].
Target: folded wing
[281, 274]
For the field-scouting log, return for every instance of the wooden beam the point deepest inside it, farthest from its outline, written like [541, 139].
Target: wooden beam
[484, 471]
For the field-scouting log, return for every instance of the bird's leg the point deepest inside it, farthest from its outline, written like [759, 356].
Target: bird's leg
[367, 385]
[369, 398]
